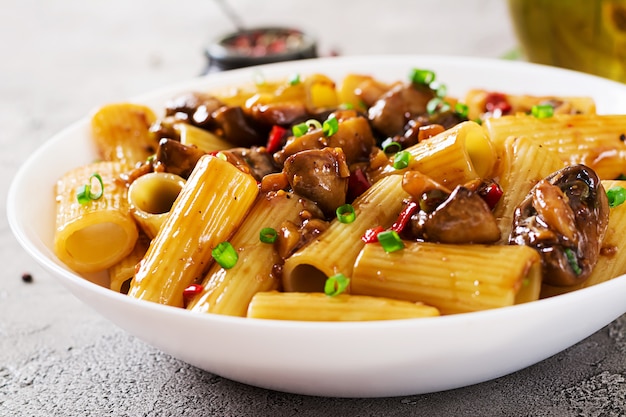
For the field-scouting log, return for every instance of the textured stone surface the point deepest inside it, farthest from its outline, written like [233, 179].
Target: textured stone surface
[60, 59]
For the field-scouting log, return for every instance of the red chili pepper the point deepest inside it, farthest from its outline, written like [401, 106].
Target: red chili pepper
[492, 195]
[371, 235]
[191, 291]
[497, 101]
[405, 216]
[357, 184]
[275, 139]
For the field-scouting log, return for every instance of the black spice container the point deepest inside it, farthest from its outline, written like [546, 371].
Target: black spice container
[259, 46]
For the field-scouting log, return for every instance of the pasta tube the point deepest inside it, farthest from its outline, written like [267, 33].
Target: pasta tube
[92, 237]
[596, 141]
[452, 278]
[453, 157]
[229, 291]
[311, 306]
[477, 102]
[337, 248]
[122, 272]
[151, 197]
[202, 139]
[209, 209]
[524, 163]
[121, 132]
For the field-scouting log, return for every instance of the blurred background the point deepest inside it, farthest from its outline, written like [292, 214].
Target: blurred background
[72, 55]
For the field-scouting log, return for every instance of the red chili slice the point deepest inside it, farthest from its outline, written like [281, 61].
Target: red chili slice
[357, 184]
[275, 139]
[191, 291]
[492, 195]
[497, 101]
[405, 216]
[371, 235]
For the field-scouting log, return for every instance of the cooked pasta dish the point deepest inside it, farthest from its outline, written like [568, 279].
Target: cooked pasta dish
[315, 199]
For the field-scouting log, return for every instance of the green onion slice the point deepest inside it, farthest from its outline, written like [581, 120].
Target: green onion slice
[542, 111]
[616, 196]
[336, 284]
[294, 79]
[302, 128]
[330, 126]
[401, 160]
[573, 262]
[391, 146]
[390, 241]
[346, 106]
[345, 213]
[461, 109]
[440, 89]
[225, 255]
[85, 194]
[437, 104]
[268, 235]
[422, 76]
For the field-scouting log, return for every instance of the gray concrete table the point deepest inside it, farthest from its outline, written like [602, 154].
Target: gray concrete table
[60, 59]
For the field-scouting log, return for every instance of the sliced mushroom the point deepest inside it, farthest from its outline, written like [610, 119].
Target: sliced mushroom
[320, 175]
[176, 158]
[240, 129]
[196, 108]
[396, 107]
[564, 217]
[463, 217]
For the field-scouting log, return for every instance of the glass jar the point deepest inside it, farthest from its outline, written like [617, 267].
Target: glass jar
[583, 35]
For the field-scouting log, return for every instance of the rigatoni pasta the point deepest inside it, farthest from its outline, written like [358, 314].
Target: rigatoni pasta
[452, 278]
[229, 291]
[215, 200]
[92, 237]
[308, 199]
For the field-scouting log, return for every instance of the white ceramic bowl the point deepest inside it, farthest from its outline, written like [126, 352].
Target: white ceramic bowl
[369, 359]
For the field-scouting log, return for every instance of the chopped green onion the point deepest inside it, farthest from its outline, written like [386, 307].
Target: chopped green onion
[616, 196]
[225, 255]
[299, 129]
[391, 146]
[422, 76]
[330, 126]
[294, 79]
[346, 106]
[461, 109]
[268, 235]
[222, 156]
[437, 104]
[336, 284]
[85, 194]
[302, 128]
[440, 89]
[573, 262]
[345, 213]
[542, 111]
[390, 241]
[401, 160]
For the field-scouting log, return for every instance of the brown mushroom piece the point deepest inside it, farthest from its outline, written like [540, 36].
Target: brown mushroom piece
[176, 158]
[240, 129]
[390, 114]
[321, 175]
[196, 108]
[463, 217]
[564, 217]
